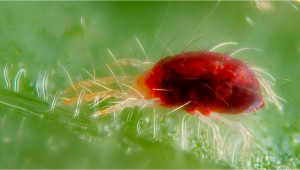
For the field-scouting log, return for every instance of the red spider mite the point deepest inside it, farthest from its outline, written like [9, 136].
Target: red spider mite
[207, 81]
[198, 81]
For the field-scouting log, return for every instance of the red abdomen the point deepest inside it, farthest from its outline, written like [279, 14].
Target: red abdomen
[207, 81]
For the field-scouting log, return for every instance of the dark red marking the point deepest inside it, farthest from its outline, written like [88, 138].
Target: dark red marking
[211, 82]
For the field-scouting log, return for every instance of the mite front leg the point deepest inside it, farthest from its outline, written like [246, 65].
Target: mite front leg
[97, 95]
[131, 102]
[104, 81]
[133, 62]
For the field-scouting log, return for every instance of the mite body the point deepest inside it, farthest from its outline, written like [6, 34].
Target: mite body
[207, 81]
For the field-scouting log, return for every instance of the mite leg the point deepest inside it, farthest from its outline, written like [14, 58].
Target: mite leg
[104, 81]
[214, 127]
[99, 95]
[133, 62]
[130, 102]
[236, 125]
[110, 80]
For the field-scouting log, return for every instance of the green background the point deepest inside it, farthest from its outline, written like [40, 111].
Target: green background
[40, 36]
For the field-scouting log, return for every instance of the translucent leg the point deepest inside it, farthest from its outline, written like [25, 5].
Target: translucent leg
[131, 102]
[104, 81]
[236, 125]
[133, 62]
[214, 127]
[97, 95]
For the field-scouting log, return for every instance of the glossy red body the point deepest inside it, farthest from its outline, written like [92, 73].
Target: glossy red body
[207, 81]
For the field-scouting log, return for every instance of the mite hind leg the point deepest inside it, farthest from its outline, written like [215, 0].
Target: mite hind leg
[236, 125]
[214, 127]
[130, 102]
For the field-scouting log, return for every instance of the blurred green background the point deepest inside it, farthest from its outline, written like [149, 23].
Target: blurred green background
[42, 36]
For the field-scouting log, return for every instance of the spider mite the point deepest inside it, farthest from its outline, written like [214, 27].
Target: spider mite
[203, 83]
